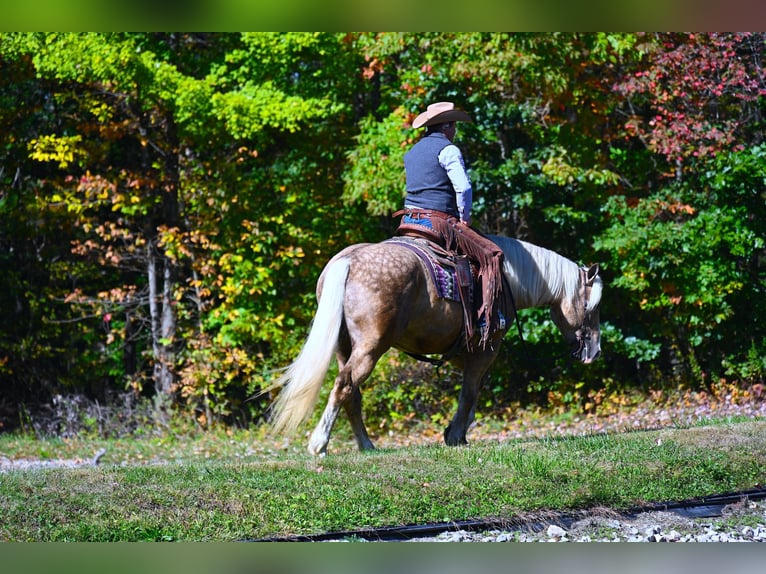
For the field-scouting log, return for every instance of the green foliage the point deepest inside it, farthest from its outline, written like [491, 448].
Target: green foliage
[751, 367]
[683, 267]
[169, 200]
[375, 176]
[250, 110]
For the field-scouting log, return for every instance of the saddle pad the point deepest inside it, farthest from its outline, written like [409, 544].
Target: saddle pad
[444, 278]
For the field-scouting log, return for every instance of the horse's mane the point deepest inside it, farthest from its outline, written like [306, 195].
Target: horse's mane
[537, 273]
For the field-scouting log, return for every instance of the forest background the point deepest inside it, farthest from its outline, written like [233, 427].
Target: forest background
[169, 200]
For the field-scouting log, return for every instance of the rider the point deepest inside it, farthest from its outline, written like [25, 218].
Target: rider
[439, 199]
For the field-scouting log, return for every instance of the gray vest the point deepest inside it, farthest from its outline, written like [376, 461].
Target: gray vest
[428, 185]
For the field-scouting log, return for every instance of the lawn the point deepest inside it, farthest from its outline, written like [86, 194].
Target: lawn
[228, 486]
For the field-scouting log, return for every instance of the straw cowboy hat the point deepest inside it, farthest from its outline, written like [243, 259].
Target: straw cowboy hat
[440, 113]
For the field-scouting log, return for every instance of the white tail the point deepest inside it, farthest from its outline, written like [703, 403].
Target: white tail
[302, 380]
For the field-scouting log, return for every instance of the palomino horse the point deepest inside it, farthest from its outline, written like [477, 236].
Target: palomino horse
[376, 296]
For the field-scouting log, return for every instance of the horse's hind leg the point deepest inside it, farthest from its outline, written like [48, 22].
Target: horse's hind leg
[353, 407]
[321, 435]
[346, 393]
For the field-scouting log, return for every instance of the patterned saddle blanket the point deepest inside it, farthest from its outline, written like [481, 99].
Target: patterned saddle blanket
[444, 271]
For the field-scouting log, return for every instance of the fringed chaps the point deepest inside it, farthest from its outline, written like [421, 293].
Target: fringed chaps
[489, 297]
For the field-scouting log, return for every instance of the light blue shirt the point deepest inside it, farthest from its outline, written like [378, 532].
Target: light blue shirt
[451, 160]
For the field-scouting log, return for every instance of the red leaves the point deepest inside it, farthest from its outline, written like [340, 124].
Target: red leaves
[693, 97]
[374, 66]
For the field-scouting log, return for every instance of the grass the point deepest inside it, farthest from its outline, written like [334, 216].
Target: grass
[244, 486]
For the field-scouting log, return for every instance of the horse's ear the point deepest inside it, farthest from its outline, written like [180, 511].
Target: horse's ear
[592, 272]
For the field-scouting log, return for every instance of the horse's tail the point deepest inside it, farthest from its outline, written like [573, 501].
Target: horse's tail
[302, 380]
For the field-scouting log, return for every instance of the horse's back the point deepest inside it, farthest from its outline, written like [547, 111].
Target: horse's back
[346, 252]
[384, 270]
[390, 298]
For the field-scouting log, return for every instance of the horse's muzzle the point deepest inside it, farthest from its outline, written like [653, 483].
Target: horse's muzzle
[587, 360]
[586, 349]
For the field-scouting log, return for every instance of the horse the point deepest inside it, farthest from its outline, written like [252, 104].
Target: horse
[375, 296]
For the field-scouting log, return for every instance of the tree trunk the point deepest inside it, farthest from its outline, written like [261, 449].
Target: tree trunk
[163, 323]
[161, 267]
[166, 379]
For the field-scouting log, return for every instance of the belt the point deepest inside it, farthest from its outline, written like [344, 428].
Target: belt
[417, 213]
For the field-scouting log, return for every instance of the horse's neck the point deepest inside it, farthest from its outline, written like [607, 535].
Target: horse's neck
[538, 277]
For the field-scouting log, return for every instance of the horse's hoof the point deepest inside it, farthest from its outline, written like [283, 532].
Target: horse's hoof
[315, 450]
[450, 440]
[454, 442]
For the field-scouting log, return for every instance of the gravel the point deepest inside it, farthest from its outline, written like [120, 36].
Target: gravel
[741, 522]
[7, 464]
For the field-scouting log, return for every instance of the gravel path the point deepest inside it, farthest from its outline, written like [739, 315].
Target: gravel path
[7, 464]
[743, 522]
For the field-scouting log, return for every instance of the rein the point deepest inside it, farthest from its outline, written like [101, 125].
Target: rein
[513, 305]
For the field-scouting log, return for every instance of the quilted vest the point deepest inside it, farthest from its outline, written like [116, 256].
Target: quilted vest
[428, 186]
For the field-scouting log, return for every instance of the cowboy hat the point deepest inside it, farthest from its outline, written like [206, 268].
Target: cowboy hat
[440, 113]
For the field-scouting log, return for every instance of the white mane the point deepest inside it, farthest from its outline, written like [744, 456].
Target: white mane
[538, 275]
[595, 294]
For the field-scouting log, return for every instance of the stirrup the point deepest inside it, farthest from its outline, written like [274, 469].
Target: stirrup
[500, 322]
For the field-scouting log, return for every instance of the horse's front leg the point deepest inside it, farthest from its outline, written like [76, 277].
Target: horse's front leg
[473, 377]
[454, 434]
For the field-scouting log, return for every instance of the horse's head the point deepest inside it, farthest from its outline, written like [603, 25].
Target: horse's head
[578, 318]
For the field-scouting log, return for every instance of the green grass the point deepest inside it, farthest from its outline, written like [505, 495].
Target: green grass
[219, 487]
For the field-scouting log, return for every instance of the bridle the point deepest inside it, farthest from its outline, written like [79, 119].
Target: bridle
[583, 333]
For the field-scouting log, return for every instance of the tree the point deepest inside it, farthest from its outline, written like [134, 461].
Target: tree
[136, 168]
[687, 243]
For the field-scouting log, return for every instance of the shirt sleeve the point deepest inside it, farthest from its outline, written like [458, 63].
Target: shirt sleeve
[451, 160]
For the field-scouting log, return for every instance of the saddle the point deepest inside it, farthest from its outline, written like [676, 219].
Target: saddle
[452, 273]
[491, 300]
